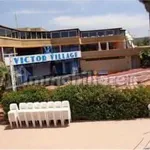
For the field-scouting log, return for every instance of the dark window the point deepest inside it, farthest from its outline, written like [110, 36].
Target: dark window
[9, 33]
[93, 34]
[48, 35]
[2, 32]
[103, 46]
[55, 49]
[39, 35]
[33, 35]
[112, 45]
[44, 35]
[101, 33]
[85, 34]
[89, 47]
[64, 34]
[28, 34]
[116, 32]
[72, 33]
[110, 32]
[23, 35]
[55, 34]
[65, 48]
[14, 34]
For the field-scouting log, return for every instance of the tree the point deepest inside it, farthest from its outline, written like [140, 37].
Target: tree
[145, 57]
[3, 75]
[146, 4]
[142, 41]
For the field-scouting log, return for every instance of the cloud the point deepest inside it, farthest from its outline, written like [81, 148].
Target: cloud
[32, 11]
[131, 22]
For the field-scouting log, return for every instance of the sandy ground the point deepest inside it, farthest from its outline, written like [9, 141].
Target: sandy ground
[133, 134]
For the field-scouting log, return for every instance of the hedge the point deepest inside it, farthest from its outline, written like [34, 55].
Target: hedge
[27, 94]
[89, 102]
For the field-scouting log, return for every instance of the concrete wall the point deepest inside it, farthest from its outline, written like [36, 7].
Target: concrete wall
[111, 65]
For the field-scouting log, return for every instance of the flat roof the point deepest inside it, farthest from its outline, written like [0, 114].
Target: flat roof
[61, 29]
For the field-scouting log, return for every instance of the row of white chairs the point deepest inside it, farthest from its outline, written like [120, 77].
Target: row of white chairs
[40, 112]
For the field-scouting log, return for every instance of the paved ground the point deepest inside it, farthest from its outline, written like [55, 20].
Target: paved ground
[133, 134]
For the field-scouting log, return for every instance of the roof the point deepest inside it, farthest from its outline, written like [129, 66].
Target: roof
[39, 29]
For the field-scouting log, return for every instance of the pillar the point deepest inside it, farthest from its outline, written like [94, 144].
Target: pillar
[60, 48]
[99, 46]
[107, 46]
[64, 69]
[2, 51]
[14, 50]
[79, 47]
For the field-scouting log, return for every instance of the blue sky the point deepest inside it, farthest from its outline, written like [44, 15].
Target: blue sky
[83, 14]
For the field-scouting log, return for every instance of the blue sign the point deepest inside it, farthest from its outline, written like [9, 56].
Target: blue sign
[20, 60]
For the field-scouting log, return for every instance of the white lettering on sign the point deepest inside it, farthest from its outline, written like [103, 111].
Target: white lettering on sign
[20, 60]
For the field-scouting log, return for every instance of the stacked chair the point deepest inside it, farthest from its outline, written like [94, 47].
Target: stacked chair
[39, 113]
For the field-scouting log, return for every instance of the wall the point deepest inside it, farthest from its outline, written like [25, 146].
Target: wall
[111, 65]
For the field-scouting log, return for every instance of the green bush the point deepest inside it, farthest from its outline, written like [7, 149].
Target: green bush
[89, 102]
[100, 102]
[27, 94]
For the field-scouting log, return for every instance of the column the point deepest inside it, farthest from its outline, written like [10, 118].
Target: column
[79, 47]
[60, 48]
[99, 46]
[2, 51]
[14, 50]
[107, 46]
[64, 69]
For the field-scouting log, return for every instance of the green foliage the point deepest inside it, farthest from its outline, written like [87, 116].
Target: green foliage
[99, 102]
[142, 42]
[89, 102]
[28, 94]
[145, 57]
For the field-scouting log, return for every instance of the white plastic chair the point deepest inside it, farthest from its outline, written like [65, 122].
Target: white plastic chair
[21, 114]
[43, 112]
[36, 113]
[57, 112]
[28, 113]
[66, 112]
[13, 115]
[50, 112]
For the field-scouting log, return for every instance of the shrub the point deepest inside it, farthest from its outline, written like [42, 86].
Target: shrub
[100, 102]
[89, 102]
[27, 94]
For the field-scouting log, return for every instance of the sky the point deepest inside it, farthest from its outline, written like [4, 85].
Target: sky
[82, 14]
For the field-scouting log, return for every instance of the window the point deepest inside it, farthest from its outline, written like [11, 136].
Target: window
[112, 45]
[101, 33]
[33, 35]
[64, 34]
[9, 33]
[28, 35]
[23, 36]
[85, 34]
[39, 35]
[48, 35]
[55, 49]
[110, 32]
[55, 34]
[89, 47]
[44, 35]
[72, 33]
[2, 32]
[103, 46]
[93, 34]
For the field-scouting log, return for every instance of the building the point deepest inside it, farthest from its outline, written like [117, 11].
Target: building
[36, 52]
